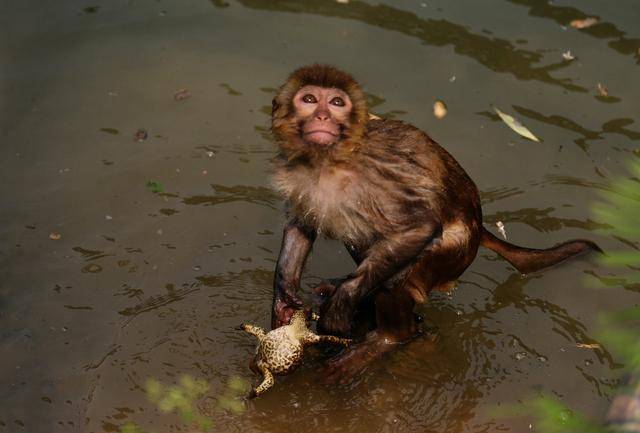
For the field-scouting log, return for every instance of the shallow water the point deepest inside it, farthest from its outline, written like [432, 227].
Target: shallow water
[145, 284]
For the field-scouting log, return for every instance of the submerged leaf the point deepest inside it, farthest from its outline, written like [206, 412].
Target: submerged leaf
[155, 187]
[516, 125]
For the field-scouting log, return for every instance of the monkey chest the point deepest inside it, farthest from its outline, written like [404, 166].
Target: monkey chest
[337, 205]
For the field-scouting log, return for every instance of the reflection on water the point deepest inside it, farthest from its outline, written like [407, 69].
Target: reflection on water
[540, 220]
[228, 194]
[499, 55]
[563, 15]
[613, 126]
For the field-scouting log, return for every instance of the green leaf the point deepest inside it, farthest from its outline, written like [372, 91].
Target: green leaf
[516, 125]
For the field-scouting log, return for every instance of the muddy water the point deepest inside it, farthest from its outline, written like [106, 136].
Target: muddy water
[150, 284]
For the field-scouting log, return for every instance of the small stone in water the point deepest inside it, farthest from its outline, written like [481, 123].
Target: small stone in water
[55, 236]
[197, 268]
[108, 217]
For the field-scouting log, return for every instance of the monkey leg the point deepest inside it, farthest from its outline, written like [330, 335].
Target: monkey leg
[267, 381]
[253, 330]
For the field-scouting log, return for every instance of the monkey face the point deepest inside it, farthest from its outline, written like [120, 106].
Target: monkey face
[323, 113]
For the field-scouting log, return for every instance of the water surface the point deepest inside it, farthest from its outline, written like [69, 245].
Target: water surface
[150, 284]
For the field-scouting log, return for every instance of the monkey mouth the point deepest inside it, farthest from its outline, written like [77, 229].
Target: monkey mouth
[321, 136]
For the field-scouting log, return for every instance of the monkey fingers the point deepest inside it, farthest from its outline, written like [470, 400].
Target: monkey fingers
[283, 310]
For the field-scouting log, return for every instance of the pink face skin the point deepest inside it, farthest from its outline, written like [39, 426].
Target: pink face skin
[322, 110]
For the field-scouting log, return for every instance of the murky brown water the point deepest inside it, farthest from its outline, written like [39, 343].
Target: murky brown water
[145, 284]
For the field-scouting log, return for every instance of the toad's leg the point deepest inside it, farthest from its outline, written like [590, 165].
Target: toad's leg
[267, 381]
[253, 330]
[313, 338]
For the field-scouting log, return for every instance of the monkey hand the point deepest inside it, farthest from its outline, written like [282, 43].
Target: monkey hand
[284, 305]
[336, 314]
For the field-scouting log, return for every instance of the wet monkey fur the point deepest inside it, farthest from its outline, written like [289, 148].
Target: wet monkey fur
[406, 211]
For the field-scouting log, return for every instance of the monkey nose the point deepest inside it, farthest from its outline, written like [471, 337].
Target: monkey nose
[322, 116]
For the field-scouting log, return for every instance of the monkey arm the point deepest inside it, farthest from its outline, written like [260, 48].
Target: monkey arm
[383, 260]
[296, 245]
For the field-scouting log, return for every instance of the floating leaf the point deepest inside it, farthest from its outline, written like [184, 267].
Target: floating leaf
[588, 345]
[439, 109]
[583, 24]
[516, 125]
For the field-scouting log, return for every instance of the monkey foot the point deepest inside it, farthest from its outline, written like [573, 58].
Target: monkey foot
[354, 360]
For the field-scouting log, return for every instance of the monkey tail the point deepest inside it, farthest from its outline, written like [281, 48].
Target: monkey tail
[527, 260]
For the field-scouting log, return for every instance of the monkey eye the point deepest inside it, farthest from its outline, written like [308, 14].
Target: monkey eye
[309, 98]
[337, 101]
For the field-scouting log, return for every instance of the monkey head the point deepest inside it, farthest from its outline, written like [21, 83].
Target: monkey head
[319, 110]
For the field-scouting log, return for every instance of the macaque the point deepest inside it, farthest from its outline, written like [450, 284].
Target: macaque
[406, 211]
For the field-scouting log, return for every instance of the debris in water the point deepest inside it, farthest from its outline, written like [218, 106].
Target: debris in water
[55, 236]
[501, 229]
[112, 131]
[108, 217]
[567, 55]
[452, 79]
[210, 154]
[182, 94]
[439, 109]
[140, 135]
[516, 126]
[344, 2]
[602, 91]
[583, 24]
[520, 356]
[374, 117]
[230, 91]
[91, 9]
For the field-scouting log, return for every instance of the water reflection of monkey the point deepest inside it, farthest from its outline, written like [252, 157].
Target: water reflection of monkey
[407, 212]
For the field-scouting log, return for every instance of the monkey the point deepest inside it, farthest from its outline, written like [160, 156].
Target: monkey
[407, 212]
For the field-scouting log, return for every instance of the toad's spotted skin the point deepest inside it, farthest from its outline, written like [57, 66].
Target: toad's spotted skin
[280, 350]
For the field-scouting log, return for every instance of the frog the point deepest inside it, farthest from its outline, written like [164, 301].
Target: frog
[280, 351]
